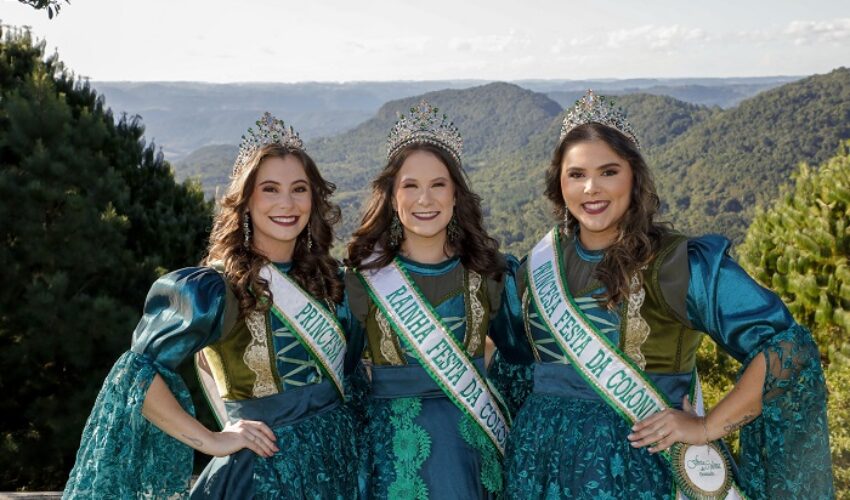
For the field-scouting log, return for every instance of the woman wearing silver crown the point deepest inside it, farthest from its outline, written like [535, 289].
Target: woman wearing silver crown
[428, 284]
[266, 320]
[615, 306]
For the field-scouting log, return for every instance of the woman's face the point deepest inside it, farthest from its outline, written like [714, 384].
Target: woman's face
[597, 185]
[423, 196]
[280, 206]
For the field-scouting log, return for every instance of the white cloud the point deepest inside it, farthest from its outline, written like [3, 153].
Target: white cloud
[807, 32]
[656, 37]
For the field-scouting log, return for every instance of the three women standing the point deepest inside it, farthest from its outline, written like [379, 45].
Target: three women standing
[612, 302]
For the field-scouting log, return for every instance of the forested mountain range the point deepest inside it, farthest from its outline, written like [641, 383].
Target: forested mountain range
[713, 166]
[185, 116]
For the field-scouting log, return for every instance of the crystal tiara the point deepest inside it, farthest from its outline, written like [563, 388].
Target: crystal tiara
[594, 108]
[425, 126]
[270, 130]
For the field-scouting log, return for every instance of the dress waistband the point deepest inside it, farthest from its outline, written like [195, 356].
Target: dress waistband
[559, 379]
[406, 381]
[287, 407]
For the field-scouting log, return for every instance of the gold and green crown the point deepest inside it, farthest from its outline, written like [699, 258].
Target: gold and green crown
[270, 130]
[424, 125]
[594, 108]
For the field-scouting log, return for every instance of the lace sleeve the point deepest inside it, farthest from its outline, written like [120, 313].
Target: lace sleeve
[121, 454]
[784, 452]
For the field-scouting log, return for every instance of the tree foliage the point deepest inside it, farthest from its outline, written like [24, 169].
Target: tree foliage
[800, 248]
[92, 216]
[52, 6]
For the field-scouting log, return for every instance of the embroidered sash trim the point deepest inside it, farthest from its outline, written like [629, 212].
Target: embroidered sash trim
[423, 330]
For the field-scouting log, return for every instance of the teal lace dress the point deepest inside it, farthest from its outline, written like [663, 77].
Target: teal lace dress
[262, 372]
[567, 443]
[418, 443]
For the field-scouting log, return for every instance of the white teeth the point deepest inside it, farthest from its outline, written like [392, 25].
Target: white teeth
[425, 214]
[595, 205]
[285, 220]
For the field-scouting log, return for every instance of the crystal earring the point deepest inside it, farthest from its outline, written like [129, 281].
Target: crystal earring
[396, 233]
[309, 238]
[453, 230]
[246, 230]
[567, 230]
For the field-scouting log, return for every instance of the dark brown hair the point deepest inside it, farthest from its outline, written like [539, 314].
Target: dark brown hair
[313, 269]
[639, 236]
[477, 250]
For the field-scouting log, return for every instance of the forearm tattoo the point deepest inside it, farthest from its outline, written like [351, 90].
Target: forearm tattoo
[737, 425]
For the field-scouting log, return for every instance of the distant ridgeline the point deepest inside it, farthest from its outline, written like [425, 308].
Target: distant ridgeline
[713, 166]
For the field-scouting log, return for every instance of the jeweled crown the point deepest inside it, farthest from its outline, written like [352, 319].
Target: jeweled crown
[596, 108]
[270, 130]
[424, 125]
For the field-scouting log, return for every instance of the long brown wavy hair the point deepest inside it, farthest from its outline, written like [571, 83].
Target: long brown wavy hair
[313, 269]
[639, 236]
[477, 250]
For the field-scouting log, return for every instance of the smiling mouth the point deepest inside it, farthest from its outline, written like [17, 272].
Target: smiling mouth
[595, 207]
[285, 221]
[426, 215]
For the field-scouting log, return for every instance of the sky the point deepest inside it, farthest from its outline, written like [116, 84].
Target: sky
[378, 40]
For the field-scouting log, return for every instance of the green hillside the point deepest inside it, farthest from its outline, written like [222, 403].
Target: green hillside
[211, 165]
[713, 166]
[715, 175]
[497, 121]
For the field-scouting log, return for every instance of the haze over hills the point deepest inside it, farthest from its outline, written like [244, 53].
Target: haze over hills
[185, 116]
[712, 165]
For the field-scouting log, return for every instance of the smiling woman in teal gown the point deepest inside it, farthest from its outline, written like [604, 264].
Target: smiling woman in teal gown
[650, 295]
[422, 235]
[266, 319]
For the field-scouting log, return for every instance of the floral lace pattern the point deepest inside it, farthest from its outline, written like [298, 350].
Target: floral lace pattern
[574, 448]
[513, 382]
[411, 446]
[476, 313]
[121, 454]
[317, 459]
[637, 329]
[491, 464]
[782, 451]
[257, 357]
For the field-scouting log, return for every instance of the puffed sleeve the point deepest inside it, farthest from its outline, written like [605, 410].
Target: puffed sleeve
[121, 454]
[355, 334]
[510, 371]
[784, 452]
[506, 328]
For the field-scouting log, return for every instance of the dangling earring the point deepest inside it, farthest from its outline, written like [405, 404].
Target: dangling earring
[246, 230]
[567, 230]
[309, 238]
[396, 233]
[453, 230]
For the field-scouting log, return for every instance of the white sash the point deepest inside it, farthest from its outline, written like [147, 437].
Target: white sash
[422, 329]
[701, 471]
[315, 328]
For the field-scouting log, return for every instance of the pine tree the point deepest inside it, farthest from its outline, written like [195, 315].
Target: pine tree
[91, 216]
[799, 247]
